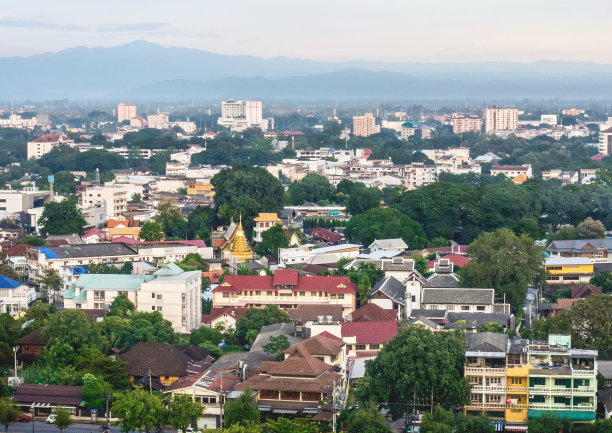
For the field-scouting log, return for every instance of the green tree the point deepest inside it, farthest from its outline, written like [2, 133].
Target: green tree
[284, 425]
[603, 279]
[505, 262]
[255, 318]
[311, 188]
[491, 327]
[62, 218]
[276, 344]
[9, 412]
[152, 231]
[366, 419]
[138, 410]
[9, 272]
[271, 240]
[192, 262]
[205, 334]
[51, 282]
[549, 422]
[94, 391]
[35, 241]
[172, 221]
[437, 360]
[136, 198]
[72, 327]
[385, 223]
[113, 372]
[200, 221]
[362, 199]
[62, 419]
[241, 410]
[182, 411]
[474, 424]
[439, 421]
[591, 229]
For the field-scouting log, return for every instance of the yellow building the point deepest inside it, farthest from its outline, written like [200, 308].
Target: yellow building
[568, 270]
[264, 222]
[517, 393]
[202, 189]
[128, 232]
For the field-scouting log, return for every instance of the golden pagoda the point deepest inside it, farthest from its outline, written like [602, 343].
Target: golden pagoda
[237, 248]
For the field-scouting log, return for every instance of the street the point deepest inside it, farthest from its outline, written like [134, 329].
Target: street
[42, 427]
[531, 307]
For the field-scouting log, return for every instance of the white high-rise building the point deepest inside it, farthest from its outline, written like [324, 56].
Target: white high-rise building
[240, 115]
[501, 119]
[125, 111]
[112, 197]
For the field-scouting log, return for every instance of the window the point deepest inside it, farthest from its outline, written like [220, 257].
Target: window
[152, 308]
[152, 295]
[465, 308]
[360, 347]
[554, 268]
[310, 396]
[226, 294]
[257, 292]
[552, 277]
[562, 400]
[413, 298]
[374, 346]
[563, 382]
[571, 278]
[269, 293]
[159, 297]
[159, 309]
[313, 293]
[537, 399]
[516, 381]
[302, 293]
[341, 296]
[480, 308]
[537, 381]
[598, 254]
[493, 398]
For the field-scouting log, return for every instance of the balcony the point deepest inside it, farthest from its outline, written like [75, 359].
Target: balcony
[548, 390]
[544, 406]
[489, 389]
[591, 373]
[517, 389]
[485, 406]
[485, 370]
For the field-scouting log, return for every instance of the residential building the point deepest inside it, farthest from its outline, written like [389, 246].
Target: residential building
[415, 129]
[29, 348]
[43, 400]
[573, 112]
[202, 190]
[364, 126]
[501, 119]
[263, 222]
[308, 254]
[15, 296]
[371, 312]
[325, 347]
[287, 289]
[112, 197]
[549, 119]
[18, 201]
[174, 293]
[294, 386]
[366, 338]
[512, 171]
[605, 142]
[397, 245]
[443, 276]
[45, 144]
[125, 112]
[157, 365]
[596, 250]
[605, 369]
[488, 157]
[224, 316]
[187, 126]
[466, 123]
[462, 300]
[240, 115]
[390, 294]
[568, 270]
[158, 121]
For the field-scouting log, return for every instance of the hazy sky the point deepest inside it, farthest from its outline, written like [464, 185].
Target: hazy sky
[389, 30]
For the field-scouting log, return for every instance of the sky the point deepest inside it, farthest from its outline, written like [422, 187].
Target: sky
[329, 30]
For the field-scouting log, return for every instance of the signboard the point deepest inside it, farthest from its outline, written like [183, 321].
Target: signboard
[51, 178]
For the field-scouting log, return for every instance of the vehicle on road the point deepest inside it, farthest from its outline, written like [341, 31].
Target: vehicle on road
[189, 430]
[24, 417]
[51, 419]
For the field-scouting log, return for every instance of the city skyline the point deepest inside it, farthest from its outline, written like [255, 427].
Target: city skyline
[400, 32]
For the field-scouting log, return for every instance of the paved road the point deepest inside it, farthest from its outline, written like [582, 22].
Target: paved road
[531, 307]
[42, 427]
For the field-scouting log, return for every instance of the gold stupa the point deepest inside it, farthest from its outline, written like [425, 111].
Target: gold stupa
[237, 247]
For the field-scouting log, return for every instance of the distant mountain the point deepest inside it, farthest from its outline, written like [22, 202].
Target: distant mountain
[145, 71]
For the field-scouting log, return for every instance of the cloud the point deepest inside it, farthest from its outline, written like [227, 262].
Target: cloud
[142, 27]
[33, 24]
[133, 27]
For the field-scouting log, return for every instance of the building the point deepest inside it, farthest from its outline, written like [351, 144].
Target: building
[263, 222]
[240, 115]
[415, 129]
[237, 248]
[202, 190]
[389, 245]
[174, 293]
[158, 121]
[15, 296]
[20, 201]
[465, 123]
[286, 289]
[573, 112]
[45, 399]
[45, 144]
[596, 250]
[501, 119]
[605, 142]
[112, 197]
[325, 347]
[568, 270]
[125, 112]
[549, 119]
[462, 300]
[225, 316]
[512, 171]
[364, 126]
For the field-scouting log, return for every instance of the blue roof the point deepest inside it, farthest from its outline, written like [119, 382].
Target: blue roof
[8, 283]
[49, 253]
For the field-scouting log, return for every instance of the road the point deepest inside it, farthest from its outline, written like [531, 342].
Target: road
[531, 307]
[42, 427]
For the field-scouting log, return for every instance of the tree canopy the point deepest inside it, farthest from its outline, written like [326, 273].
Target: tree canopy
[312, 188]
[385, 223]
[242, 410]
[62, 218]
[254, 318]
[271, 240]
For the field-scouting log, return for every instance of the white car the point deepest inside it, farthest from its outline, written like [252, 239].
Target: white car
[51, 419]
[189, 430]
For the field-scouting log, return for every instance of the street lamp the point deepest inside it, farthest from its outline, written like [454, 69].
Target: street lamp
[15, 349]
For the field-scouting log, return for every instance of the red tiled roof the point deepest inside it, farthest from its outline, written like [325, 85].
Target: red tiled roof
[92, 232]
[50, 138]
[17, 250]
[599, 156]
[327, 235]
[239, 283]
[328, 335]
[286, 277]
[584, 291]
[455, 259]
[115, 222]
[510, 167]
[369, 332]
[213, 276]
[373, 313]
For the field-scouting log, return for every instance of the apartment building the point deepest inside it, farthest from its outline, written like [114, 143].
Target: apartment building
[364, 126]
[240, 115]
[14, 296]
[174, 293]
[462, 300]
[286, 289]
[573, 112]
[596, 250]
[112, 197]
[449, 156]
[465, 123]
[512, 171]
[605, 142]
[501, 119]
[568, 270]
[159, 120]
[16, 201]
[45, 144]
[125, 112]
[415, 129]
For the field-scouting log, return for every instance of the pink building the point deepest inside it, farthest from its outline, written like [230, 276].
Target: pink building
[462, 123]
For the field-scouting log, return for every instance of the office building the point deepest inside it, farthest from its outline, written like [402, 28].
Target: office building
[240, 115]
[465, 123]
[125, 112]
[501, 119]
[45, 144]
[365, 125]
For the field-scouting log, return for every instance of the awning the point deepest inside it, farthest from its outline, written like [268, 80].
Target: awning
[516, 428]
[265, 408]
[310, 410]
[41, 405]
[285, 411]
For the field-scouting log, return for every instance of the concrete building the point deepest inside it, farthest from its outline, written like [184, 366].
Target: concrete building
[573, 112]
[240, 115]
[549, 119]
[501, 119]
[465, 123]
[174, 293]
[605, 142]
[112, 197]
[264, 222]
[159, 120]
[14, 296]
[568, 270]
[16, 201]
[45, 144]
[125, 111]
[415, 129]
[512, 171]
[364, 126]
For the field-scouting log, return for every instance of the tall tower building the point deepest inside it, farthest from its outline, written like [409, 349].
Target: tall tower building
[125, 112]
[501, 119]
[365, 125]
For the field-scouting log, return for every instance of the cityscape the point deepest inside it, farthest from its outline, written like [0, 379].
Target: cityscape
[229, 229]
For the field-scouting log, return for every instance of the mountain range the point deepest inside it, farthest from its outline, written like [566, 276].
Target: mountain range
[144, 71]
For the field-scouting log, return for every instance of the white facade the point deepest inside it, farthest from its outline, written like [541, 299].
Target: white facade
[14, 201]
[550, 119]
[113, 197]
[240, 115]
[125, 112]
[501, 119]
[15, 300]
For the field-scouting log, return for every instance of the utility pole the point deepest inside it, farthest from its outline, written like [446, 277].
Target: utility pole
[334, 408]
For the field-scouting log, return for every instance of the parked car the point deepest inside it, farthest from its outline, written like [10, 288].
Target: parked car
[189, 430]
[24, 417]
[51, 419]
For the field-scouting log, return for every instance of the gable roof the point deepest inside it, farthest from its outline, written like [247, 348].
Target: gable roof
[371, 312]
[285, 277]
[169, 270]
[299, 363]
[390, 287]
[53, 394]
[580, 244]
[320, 344]
[436, 295]
[389, 243]
[455, 259]
[486, 342]
[9, 283]
[239, 283]
[94, 231]
[425, 321]
[33, 338]
[163, 359]
[584, 291]
[310, 312]
[216, 312]
[369, 332]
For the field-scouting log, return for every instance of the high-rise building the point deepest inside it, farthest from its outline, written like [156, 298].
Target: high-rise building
[365, 125]
[240, 115]
[462, 123]
[605, 142]
[501, 119]
[125, 112]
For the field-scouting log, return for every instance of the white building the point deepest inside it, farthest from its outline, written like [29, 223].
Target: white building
[605, 142]
[501, 119]
[45, 144]
[549, 119]
[14, 296]
[15, 201]
[240, 115]
[112, 196]
[125, 111]
[389, 245]
[159, 120]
